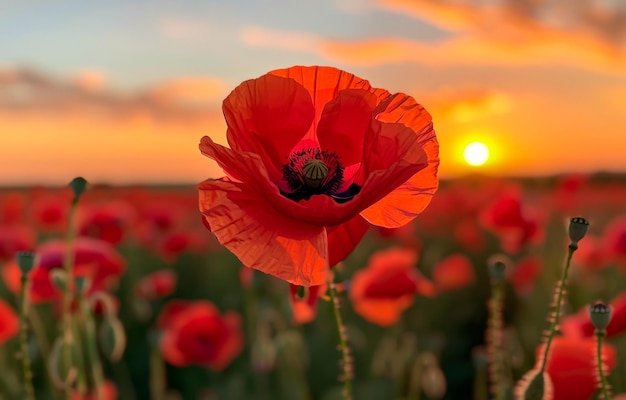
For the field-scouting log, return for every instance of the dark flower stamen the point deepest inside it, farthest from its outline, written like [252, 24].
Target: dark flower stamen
[312, 171]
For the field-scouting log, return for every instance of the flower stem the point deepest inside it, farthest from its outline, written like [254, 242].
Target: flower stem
[157, 375]
[560, 290]
[346, 360]
[604, 386]
[68, 262]
[91, 348]
[26, 367]
[494, 342]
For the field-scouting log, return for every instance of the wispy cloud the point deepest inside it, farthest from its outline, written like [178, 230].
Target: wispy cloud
[579, 31]
[184, 100]
[53, 129]
[504, 33]
[468, 104]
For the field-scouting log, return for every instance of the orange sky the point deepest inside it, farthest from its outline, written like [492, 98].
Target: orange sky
[547, 95]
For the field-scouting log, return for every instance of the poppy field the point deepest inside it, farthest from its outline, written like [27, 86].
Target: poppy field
[174, 315]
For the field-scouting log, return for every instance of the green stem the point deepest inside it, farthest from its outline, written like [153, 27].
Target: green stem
[157, 375]
[68, 262]
[39, 331]
[494, 342]
[604, 386]
[26, 367]
[557, 307]
[346, 361]
[92, 348]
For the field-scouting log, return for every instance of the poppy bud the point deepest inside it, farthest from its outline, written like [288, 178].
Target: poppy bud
[497, 267]
[26, 261]
[578, 228]
[82, 284]
[534, 386]
[600, 315]
[112, 338]
[433, 381]
[59, 278]
[62, 373]
[78, 185]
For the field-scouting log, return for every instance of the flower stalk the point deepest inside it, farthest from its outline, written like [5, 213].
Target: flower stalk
[346, 361]
[78, 186]
[26, 262]
[600, 315]
[494, 330]
[577, 229]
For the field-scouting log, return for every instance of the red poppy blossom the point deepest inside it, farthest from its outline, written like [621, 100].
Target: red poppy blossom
[109, 221]
[15, 238]
[593, 255]
[572, 367]
[311, 150]
[49, 212]
[195, 333]
[524, 274]
[388, 285]
[304, 309]
[614, 238]
[453, 272]
[109, 392]
[507, 218]
[156, 285]
[9, 322]
[94, 259]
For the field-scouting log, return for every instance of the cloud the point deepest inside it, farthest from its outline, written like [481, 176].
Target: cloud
[473, 48]
[27, 92]
[467, 104]
[54, 129]
[582, 29]
[476, 49]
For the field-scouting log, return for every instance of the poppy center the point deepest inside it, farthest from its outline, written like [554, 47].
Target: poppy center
[312, 171]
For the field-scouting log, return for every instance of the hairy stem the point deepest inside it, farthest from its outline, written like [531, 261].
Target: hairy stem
[346, 360]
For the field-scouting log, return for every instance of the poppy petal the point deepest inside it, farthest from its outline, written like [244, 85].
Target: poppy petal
[344, 123]
[342, 239]
[411, 196]
[323, 84]
[268, 116]
[263, 238]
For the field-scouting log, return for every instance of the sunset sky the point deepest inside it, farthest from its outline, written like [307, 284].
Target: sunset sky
[122, 91]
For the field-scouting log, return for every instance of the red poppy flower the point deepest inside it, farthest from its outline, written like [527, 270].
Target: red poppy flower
[12, 206]
[108, 221]
[524, 274]
[195, 333]
[592, 255]
[94, 258]
[572, 367]
[507, 219]
[156, 285]
[388, 285]
[9, 322]
[615, 240]
[453, 272]
[109, 392]
[311, 150]
[579, 324]
[49, 212]
[304, 309]
[14, 238]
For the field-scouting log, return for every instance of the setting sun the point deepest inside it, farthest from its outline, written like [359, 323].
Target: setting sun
[476, 153]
